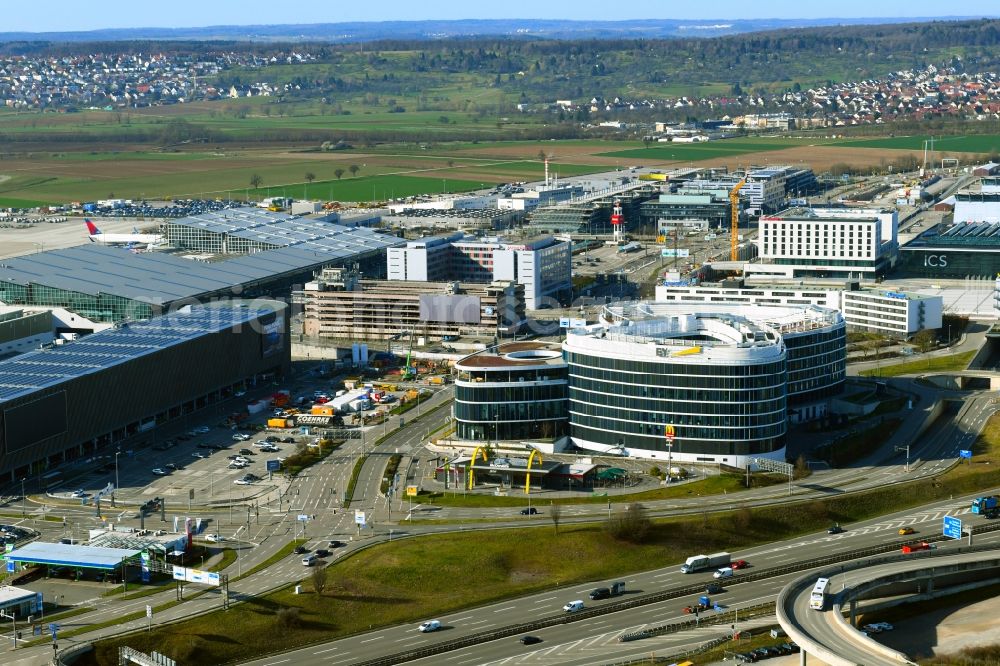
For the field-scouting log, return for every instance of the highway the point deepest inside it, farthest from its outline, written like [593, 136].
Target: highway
[595, 639]
[314, 494]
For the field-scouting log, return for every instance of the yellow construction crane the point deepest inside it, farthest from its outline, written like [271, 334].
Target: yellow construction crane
[734, 205]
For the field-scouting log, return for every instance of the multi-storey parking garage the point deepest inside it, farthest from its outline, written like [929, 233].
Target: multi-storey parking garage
[722, 379]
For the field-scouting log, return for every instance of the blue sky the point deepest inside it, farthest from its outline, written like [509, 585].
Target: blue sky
[58, 15]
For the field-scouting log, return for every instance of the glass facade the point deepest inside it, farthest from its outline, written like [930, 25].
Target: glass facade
[98, 307]
[949, 262]
[817, 363]
[511, 403]
[715, 409]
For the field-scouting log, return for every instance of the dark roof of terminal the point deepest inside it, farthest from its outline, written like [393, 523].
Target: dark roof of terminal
[498, 357]
[27, 373]
[155, 277]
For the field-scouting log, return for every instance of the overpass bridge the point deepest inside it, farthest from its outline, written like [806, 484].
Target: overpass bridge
[896, 579]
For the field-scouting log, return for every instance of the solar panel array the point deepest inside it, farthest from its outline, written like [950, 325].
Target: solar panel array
[972, 233]
[27, 373]
[158, 278]
[285, 231]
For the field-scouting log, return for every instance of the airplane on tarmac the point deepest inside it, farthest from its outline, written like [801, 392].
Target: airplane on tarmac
[132, 240]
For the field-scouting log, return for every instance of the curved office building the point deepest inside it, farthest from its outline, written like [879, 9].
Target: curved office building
[722, 378]
[517, 391]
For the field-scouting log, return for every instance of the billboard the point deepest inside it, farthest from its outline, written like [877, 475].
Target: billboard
[196, 576]
[674, 252]
[450, 309]
[272, 337]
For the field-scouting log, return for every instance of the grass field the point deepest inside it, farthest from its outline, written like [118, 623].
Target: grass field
[952, 362]
[979, 143]
[411, 580]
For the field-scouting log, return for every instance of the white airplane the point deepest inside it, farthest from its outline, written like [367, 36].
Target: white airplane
[135, 238]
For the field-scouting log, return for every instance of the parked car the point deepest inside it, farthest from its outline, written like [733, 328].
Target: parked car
[199, 454]
[202, 429]
[247, 452]
[429, 626]
[241, 437]
[214, 538]
[243, 482]
[159, 471]
[170, 466]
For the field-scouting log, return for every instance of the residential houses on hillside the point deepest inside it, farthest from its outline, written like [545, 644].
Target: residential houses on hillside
[911, 94]
[120, 80]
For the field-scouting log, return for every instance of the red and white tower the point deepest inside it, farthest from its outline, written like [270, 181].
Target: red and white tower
[617, 221]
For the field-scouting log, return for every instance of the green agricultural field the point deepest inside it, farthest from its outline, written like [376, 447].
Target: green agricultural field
[8, 202]
[978, 143]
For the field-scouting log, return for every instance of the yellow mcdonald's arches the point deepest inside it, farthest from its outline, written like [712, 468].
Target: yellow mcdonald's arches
[668, 431]
[527, 478]
[479, 451]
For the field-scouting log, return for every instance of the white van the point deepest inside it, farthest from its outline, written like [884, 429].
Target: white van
[724, 572]
[573, 606]
[309, 560]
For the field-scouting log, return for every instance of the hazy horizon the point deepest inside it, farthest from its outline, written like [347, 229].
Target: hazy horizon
[65, 16]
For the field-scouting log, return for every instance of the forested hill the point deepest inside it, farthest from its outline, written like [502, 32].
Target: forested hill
[439, 30]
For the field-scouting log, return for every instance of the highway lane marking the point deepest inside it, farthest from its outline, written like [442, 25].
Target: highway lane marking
[501, 610]
[327, 650]
[369, 640]
[281, 661]
[545, 599]
[478, 622]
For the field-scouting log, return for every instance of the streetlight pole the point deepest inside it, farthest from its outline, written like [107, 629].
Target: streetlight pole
[117, 453]
[13, 624]
[907, 449]
[23, 508]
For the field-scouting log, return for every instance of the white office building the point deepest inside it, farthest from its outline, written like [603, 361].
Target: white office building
[895, 314]
[892, 313]
[543, 265]
[827, 242]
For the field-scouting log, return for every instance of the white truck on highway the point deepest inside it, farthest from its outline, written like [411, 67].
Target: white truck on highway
[697, 563]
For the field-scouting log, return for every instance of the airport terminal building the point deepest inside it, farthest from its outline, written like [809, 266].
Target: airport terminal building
[273, 253]
[116, 387]
[728, 379]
